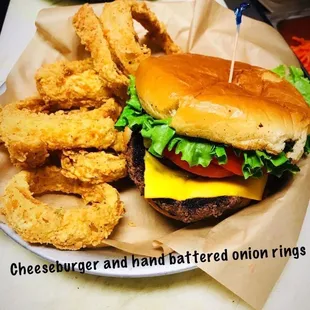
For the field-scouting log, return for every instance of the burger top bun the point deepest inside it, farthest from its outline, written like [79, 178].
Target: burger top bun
[257, 111]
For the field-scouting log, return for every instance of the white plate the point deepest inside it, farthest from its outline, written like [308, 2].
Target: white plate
[52, 255]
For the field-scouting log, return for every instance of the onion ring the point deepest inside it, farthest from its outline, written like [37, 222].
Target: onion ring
[156, 29]
[64, 228]
[90, 31]
[93, 167]
[71, 84]
[117, 21]
[29, 136]
[119, 31]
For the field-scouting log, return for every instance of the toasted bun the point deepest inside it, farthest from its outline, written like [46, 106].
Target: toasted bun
[257, 111]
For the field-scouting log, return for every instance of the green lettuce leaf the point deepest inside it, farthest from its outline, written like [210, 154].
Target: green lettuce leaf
[133, 101]
[281, 71]
[255, 162]
[132, 115]
[296, 77]
[198, 152]
[159, 136]
[252, 166]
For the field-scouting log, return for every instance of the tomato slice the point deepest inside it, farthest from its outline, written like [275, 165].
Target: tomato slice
[234, 163]
[212, 171]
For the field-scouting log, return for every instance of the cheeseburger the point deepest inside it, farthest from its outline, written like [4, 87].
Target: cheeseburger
[200, 145]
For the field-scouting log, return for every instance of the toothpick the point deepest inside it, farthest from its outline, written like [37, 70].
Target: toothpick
[232, 65]
[238, 12]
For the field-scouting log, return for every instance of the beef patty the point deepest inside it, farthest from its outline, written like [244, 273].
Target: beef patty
[187, 211]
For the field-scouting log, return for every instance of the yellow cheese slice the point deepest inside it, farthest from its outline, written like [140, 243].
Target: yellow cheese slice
[164, 182]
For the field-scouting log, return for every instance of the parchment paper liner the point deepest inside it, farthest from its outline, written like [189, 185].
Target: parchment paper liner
[202, 27]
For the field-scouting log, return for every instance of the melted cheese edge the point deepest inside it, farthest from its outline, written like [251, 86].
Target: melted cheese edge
[164, 182]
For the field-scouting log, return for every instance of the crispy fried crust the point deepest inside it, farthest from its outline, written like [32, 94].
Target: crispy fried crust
[121, 141]
[30, 136]
[33, 104]
[120, 33]
[66, 229]
[187, 211]
[89, 29]
[117, 20]
[93, 167]
[71, 84]
[1, 141]
[156, 29]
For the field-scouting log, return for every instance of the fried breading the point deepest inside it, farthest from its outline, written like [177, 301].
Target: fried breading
[90, 31]
[74, 118]
[71, 84]
[64, 228]
[1, 141]
[93, 167]
[30, 136]
[119, 31]
[156, 29]
[117, 21]
[34, 104]
[121, 141]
